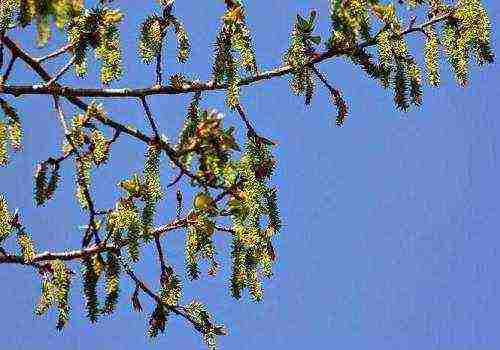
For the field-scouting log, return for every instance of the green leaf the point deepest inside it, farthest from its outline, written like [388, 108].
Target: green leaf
[301, 20]
[302, 23]
[315, 39]
[312, 17]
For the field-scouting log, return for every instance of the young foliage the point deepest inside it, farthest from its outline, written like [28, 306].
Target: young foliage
[4, 160]
[204, 139]
[466, 30]
[183, 45]
[152, 34]
[100, 147]
[252, 249]
[199, 243]
[56, 283]
[8, 11]
[187, 136]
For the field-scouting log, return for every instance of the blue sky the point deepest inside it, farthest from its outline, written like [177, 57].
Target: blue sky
[391, 222]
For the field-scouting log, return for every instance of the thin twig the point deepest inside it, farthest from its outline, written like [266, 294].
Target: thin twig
[243, 116]
[62, 120]
[323, 79]
[72, 93]
[159, 79]
[54, 54]
[2, 34]
[6, 75]
[58, 90]
[198, 86]
[55, 161]
[178, 310]
[250, 129]
[161, 257]
[150, 117]
[228, 191]
[62, 71]
[176, 179]
[115, 136]
[225, 229]
[335, 94]
[92, 250]
[91, 228]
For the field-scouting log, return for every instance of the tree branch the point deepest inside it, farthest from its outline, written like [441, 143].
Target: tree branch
[250, 129]
[58, 90]
[54, 54]
[178, 310]
[150, 117]
[161, 257]
[81, 253]
[62, 71]
[6, 75]
[197, 86]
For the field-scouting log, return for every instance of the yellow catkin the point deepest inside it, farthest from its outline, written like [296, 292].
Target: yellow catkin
[431, 51]
[4, 159]
[47, 297]
[100, 149]
[83, 168]
[26, 245]
[5, 217]
[62, 283]
[15, 135]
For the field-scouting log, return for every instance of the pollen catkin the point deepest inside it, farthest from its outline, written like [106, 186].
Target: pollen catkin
[47, 297]
[90, 278]
[105, 41]
[5, 218]
[62, 284]
[100, 150]
[4, 160]
[113, 270]
[26, 245]
[431, 52]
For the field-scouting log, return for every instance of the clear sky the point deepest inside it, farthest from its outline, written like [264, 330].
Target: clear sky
[391, 222]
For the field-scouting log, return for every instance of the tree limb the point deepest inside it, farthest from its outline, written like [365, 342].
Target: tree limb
[69, 92]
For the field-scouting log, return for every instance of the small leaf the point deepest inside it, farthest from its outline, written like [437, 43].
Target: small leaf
[315, 39]
[301, 20]
[304, 25]
[312, 17]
